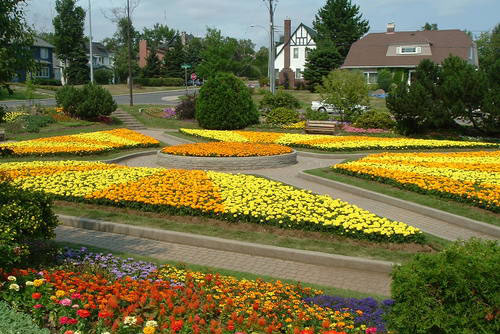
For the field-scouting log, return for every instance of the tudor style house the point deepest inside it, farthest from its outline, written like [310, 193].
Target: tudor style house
[406, 49]
[292, 53]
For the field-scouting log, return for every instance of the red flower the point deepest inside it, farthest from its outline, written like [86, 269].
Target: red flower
[104, 314]
[72, 321]
[307, 331]
[177, 325]
[63, 320]
[69, 332]
[76, 295]
[83, 313]
[38, 306]
[36, 295]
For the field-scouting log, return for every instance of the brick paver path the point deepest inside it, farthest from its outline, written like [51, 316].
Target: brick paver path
[351, 279]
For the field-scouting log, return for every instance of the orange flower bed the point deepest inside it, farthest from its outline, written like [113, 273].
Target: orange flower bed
[227, 149]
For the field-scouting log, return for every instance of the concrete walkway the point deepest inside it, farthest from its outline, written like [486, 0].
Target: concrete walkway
[338, 277]
[289, 175]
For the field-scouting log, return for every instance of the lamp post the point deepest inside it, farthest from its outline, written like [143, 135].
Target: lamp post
[90, 46]
[130, 80]
[271, 5]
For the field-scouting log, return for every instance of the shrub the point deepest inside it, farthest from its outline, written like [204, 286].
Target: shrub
[3, 112]
[69, 97]
[316, 115]
[89, 102]
[452, 292]
[33, 123]
[263, 81]
[375, 119]
[47, 82]
[384, 79]
[158, 82]
[187, 108]
[12, 322]
[103, 76]
[225, 103]
[281, 116]
[281, 99]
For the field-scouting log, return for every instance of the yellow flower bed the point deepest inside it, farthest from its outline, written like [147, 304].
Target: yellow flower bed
[233, 197]
[227, 149]
[332, 143]
[83, 143]
[472, 177]
[12, 116]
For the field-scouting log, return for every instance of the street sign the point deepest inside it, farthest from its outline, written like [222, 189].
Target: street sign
[185, 66]
[193, 76]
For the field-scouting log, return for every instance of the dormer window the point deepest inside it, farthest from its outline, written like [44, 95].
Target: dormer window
[408, 50]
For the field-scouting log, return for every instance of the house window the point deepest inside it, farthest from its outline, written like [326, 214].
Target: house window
[298, 73]
[371, 77]
[43, 72]
[409, 50]
[295, 53]
[44, 53]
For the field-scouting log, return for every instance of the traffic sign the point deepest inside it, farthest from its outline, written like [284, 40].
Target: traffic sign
[185, 66]
[193, 76]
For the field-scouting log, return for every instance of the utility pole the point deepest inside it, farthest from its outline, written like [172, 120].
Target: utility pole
[272, 75]
[90, 46]
[130, 80]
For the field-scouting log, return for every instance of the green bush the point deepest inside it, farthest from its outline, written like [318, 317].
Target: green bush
[12, 322]
[187, 108]
[452, 292]
[159, 82]
[3, 112]
[375, 119]
[280, 116]
[264, 81]
[69, 97]
[88, 102]
[103, 76]
[316, 115]
[384, 80]
[47, 82]
[33, 123]
[225, 103]
[281, 99]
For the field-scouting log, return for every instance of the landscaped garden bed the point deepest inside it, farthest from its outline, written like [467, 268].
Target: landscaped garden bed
[79, 144]
[231, 197]
[334, 143]
[470, 177]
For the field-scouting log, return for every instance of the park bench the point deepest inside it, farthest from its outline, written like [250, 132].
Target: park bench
[321, 127]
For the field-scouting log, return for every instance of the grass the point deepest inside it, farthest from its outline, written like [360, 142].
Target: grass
[254, 233]
[156, 122]
[122, 89]
[429, 200]
[20, 94]
[237, 274]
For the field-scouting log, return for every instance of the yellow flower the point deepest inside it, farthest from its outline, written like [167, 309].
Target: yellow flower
[38, 282]
[149, 330]
[60, 293]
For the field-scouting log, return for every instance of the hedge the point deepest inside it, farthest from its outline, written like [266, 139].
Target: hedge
[158, 82]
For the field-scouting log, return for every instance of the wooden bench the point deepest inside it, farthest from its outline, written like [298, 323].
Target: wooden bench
[321, 127]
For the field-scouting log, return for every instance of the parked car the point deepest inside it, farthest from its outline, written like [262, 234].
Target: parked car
[196, 82]
[330, 108]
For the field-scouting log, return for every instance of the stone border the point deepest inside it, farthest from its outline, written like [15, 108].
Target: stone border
[129, 156]
[450, 218]
[332, 155]
[302, 256]
[226, 163]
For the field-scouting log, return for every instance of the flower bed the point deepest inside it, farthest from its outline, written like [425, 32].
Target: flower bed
[471, 177]
[87, 298]
[232, 197]
[81, 144]
[332, 143]
[223, 149]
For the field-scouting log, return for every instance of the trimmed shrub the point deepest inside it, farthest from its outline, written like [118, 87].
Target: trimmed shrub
[225, 103]
[187, 108]
[452, 292]
[69, 97]
[384, 79]
[47, 82]
[375, 119]
[281, 99]
[97, 102]
[281, 116]
[158, 82]
[103, 76]
[12, 322]
[3, 112]
[316, 115]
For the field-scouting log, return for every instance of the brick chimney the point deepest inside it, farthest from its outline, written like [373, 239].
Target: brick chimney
[391, 28]
[143, 53]
[288, 34]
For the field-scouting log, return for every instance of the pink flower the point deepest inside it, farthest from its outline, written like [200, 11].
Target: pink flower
[65, 302]
[63, 320]
[76, 295]
[37, 306]
[371, 330]
[76, 306]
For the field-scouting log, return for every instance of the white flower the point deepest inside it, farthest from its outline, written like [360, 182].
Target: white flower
[14, 287]
[12, 278]
[29, 283]
[105, 333]
[151, 323]
[130, 320]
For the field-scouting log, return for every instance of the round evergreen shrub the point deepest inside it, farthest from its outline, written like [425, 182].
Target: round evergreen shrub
[224, 103]
[452, 292]
[103, 76]
[375, 119]
[282, 115]
[316, 115]
[97, 102]
[279, 99]
[69, 97]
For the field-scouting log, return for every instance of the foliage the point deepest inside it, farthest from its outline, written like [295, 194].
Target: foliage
[340, 22]
[88, 102]
[187, 108]
[3, 112]
[346, 90]
[153, 65]
[282, 115]
[69, 41]
[33, 123]
[225, 103]
[430, 26]
[12, 322]
[263, 81]
[16, 39]
[280, 99]
[158, 35]
[103, 76]
[375, 119]
[69, 97]
[384, 79]
[119, 44]
[316, 115]
[217, 54]
[174, 59]
[159, 82]
[452, 292]
[320, 62]
[488, 48]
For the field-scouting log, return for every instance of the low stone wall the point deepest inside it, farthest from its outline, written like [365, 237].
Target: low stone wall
[226, 163]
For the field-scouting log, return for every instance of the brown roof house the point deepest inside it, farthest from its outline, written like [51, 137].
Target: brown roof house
[406, 49]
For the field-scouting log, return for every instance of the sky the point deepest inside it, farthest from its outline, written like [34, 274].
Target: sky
[235, 17]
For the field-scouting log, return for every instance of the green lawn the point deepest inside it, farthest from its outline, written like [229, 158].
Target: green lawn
[436, 202]
[313, 241]
[20, 94]
[156, 122]
[237, 274]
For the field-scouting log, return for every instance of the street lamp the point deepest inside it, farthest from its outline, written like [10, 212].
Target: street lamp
[90, 46]
[271, 5]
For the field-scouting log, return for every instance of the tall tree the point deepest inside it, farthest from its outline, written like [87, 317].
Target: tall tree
[193, 51]
[430, 26]
[120, 65]
[16, 39]
[158, 35]
[320, 62]
[217, 54]
[153, 65]
[69, 41]
[174, 58]
[488, 48]
[340, 21]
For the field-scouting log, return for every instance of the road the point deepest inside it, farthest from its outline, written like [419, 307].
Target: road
[165, 97]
